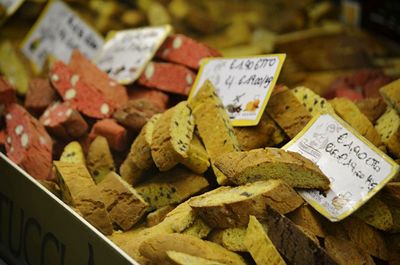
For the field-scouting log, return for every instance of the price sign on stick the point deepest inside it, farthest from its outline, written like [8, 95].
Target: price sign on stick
[355, 167]
[58, 32]
[243, 84]
[126, 53]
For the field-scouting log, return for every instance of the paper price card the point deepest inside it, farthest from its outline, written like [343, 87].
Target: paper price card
[126, 53]
[58, 32]
[243, 84]
[356, 168]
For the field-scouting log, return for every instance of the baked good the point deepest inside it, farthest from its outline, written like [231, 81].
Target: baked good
[312, 101]
[309, 219]
[288, 112]
[391, 93]
[171, 187]
[376, 213]
[135, 113]
[345, 252]
[7, 92]
[124, 205]
[198, 229]
[116, 135]
[158, 215]
[99, 159]
[259, 245]
[180, 258]
[79, 191]
[372, 108]
[157, 97]
[349, 112]
[230, 238]
[219, 138]
[73, 153]
[156, 248]
[227, 207]
[40, 95]
[294, 245]
[171, 136]
[197, 159]
[272, 163]
[130, 172]
[388, 127]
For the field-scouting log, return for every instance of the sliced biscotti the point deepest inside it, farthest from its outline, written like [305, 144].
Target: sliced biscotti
[256, 136]
[345, 252]
[230, 238]
[391, 93]
[213, 124]
[272, 163]
[376, 213]
[140, 152]
[312, 101]
[388, 127]
[227, 207]
[180, 258]
[171, 136]
[288, 112]
[99, 159]
[198, 229]
[79, 191]
[171, 187]
[130, 172]
[259, 245]
[349, 112]
[197, 159]
[124, 205]
[309, 219]
[372, 108]
[158, 215]
[73, 153]
[294, 245]
[155, 249]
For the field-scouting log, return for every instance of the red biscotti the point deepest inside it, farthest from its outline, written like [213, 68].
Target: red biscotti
[116, 135]
[7, 92]
[63, 121]
[168, 77]
[158, 97]
[83, 97]
[27, 142]
[184, 50]
[98, 79]
[40, 95]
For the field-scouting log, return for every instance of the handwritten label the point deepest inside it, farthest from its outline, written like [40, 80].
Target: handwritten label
[127, 52]
[58, 32]
[357, 169]
[243, 84]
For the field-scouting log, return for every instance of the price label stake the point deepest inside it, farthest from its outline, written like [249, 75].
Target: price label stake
[356, 168]
[243, 84]
[58, 32]
[126, 53]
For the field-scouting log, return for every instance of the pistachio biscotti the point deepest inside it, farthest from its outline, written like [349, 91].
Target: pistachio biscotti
[73, 153]
[391, 93]
[230, 238]
[388, 127]
[227, 207]
[99, 159]
[312, 101]
[197, 159]
[272, 163]
[213, 124]
[172, 136]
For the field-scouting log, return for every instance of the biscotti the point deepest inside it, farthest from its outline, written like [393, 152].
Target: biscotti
[40, 95]
[124, 205]
[130, 172]
[259, 245]
[227, 207]
[309, 219]
[220, 137]
[158, 215]
[272, 163]
[288, 112]
[155, 249]
[117, 136]
[180, 258]
[376, 213]
[349, 112]
[372, 108]
[73, 153]
[7, 92]
[171, 187]
[198, 229]
[391, 93]
[99, 159]
[230, 238]
[79, 191]
[312, 101]
[388, 127]
[197, 159]
[171, 136]
[294, 245]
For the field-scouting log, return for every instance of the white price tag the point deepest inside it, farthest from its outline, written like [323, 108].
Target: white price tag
[126, 53]
[356, 168]
[243, 84]
[58, 32]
